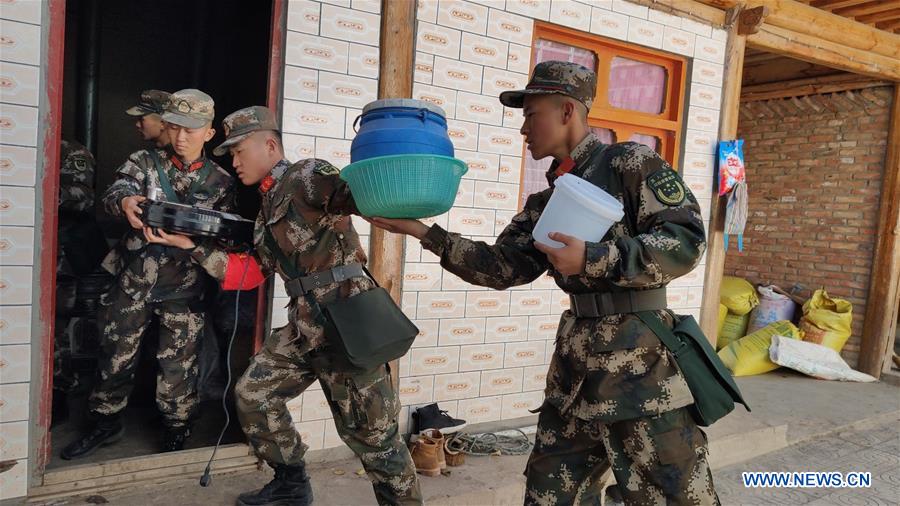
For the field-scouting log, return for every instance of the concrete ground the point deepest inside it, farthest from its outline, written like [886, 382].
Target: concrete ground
[825, 426]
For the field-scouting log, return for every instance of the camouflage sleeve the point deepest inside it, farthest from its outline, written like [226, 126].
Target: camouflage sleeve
[511, 261]
[325, 190]
[130, 180]
[76, 178]
[671, 238]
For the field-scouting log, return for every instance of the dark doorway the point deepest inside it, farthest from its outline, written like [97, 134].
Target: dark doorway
[113, 50]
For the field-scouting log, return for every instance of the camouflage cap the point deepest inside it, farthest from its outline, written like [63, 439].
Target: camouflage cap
[189, 108]
[151, 102]
[549, 77]
[243, 122]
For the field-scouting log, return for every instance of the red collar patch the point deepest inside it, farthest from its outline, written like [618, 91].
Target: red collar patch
[180, 165]
[266, 184]
[565, 166]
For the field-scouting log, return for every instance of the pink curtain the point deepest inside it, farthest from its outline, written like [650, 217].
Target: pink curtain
[636, 86]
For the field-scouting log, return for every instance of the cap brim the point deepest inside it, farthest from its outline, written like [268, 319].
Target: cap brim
[221, 149]
[138, 111]
[516, 99]
[183, 120]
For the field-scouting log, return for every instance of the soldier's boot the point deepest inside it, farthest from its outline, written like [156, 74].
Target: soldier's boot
[173, 439]
[437, 438]
[106, 431]
[425, 456]
[290, 487]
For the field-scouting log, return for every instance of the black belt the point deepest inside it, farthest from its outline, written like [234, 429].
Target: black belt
[596, 305]
[300, 286]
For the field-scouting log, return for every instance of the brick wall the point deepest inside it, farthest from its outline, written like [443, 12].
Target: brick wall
[814, 167]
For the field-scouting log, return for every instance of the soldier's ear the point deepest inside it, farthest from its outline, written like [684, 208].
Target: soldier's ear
[210, 133]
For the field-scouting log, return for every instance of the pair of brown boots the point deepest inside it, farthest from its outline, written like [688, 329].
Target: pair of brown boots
[431, 455]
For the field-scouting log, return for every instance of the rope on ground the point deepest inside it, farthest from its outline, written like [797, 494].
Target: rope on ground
[490, 443]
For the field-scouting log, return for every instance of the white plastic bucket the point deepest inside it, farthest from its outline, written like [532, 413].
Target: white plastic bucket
[577, 208]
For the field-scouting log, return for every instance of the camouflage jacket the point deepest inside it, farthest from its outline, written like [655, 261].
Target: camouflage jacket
[610, 368]
[159, 272]
[76, 178]
[307, 213]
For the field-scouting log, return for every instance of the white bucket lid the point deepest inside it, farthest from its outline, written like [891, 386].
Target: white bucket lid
[591, 196]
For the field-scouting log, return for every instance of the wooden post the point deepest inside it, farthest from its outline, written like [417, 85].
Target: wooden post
[395, 80]
[715, 243]
[881, 305]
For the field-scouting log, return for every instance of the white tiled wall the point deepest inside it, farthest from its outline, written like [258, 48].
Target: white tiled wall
[20, 89]
[482, 354]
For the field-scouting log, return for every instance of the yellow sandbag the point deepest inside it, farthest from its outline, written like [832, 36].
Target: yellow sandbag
[723, 312]
[734, 327]
[750, 355]
[738, 295]
[827, 321]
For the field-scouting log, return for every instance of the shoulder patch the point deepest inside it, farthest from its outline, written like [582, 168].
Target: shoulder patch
[667, 187]
[80, 163]
[326, 169]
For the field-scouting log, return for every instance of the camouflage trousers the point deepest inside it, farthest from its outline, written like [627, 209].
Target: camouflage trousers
[123, 321]
[659, 459]
[364, 406]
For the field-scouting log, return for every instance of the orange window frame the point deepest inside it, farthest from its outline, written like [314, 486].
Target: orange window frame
[667, 126]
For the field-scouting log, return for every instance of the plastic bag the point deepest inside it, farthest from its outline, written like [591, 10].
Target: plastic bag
[772, 307]
[738, 295]
[813, 360]
[827, 321]
[749, 355]
[731, 165]
[733, 328]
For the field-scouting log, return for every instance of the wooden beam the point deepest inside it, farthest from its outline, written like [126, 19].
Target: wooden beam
[864, 9]
[814, 86]
[692, 9]
[804, 19]
[880, 17]
[784, 69]
[880, 323]
[889, 25]
[815, 50]
[395, 80]
[832, 5]
[715, 243]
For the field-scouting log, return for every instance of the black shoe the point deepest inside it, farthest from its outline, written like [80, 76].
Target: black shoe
[106, 431]
[431, 417]
[289, 488]
[173, 439]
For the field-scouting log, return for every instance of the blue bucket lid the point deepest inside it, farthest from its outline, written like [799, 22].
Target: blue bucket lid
[410, 103]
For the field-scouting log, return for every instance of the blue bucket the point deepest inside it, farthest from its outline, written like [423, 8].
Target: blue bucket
[400, 127]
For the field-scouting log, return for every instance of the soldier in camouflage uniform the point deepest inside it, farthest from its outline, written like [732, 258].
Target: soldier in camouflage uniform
[614, 395]
[156, 281]
[75, 256]
[149, 122]
[304, 229]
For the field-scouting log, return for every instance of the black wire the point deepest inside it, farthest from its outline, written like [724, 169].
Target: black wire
[204, 480]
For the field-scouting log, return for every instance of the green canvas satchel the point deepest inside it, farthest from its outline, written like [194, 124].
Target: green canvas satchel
[710, 382]
[370, 327]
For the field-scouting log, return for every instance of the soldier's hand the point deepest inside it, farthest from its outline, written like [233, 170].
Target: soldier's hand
[414, 228]
[568, 260]
[166, 239]
[132, 211]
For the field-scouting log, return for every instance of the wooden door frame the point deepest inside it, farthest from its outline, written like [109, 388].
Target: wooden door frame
[51, 122]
